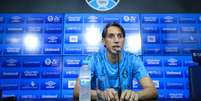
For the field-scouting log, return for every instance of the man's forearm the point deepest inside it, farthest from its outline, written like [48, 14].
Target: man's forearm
[148, 93]
[93, 95]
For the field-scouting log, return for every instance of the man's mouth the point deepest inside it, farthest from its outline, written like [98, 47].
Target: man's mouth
[114, 47]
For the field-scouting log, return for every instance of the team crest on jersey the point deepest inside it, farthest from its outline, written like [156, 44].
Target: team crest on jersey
[125, 74]
[102, 5]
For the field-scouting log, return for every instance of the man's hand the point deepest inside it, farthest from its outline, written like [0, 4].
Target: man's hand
[108, 95]
[129, 95]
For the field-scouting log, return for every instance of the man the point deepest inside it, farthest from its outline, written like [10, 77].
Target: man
[120, 67]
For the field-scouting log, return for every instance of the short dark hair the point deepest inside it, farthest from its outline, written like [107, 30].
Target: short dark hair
[113, 24]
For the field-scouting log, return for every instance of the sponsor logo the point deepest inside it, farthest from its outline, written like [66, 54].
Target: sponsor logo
[71, 83]
[150, 29]
[150, 19]
[73, 38]
[132, 29]
[52, 50]
[50, 85]
[170, 39]
[155, 73]
[168, 19]
[52, 74]
[35, 20]
[169, 30]
[171, 50]
[11, 63]
[176, 95]
[91, 49]
[15, 30]
[187, 50]
[151, 39]
[73, 29]
[31, 63]
[130, 19]
[53, 29]
[154, 62]
[175, 85]
[71, 74]
[27, 96]
[30, 74]
[93, 19]
[53, 19]
[111, 19]
[29, 85]
[52, 39]
[188, 63]
[74, 19]
[12, 50]
[152, 50]
[172, 62]
[16, 19]
[10, 74]
[187, 20]
[173, 73]
[73, 62]
[188, 29]
[73, 50]
[192, 38]
[49, 96]
[51, 62]
[102, 5]
[34, 29]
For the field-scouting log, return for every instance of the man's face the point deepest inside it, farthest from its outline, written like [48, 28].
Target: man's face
[114, 39]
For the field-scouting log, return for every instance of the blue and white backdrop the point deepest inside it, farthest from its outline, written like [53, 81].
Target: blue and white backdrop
[41, 54]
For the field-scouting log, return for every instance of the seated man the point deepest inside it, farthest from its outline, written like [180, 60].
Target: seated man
[120, 67]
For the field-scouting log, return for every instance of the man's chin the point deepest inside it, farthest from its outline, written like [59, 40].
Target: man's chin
[114, 52]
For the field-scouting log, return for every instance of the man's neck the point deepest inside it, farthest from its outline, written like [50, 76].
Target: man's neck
[113, 58]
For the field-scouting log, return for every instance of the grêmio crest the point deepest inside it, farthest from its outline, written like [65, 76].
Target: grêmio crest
[102, 5]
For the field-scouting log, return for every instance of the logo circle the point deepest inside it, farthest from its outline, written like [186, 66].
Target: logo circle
[102, 5]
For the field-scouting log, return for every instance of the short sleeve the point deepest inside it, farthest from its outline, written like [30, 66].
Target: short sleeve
[139, 70]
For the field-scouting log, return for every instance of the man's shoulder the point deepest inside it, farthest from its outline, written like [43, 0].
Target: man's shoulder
[129, 54]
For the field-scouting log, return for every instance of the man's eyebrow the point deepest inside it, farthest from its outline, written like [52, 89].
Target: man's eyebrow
[114, 33]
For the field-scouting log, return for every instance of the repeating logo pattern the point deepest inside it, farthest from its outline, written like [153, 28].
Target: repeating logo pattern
[50, 70]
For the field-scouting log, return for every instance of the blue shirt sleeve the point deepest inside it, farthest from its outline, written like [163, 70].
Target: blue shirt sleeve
[139, 70]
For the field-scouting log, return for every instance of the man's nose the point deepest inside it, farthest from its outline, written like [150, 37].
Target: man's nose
[116, 39]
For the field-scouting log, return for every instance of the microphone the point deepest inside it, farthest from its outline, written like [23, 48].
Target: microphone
[118, 50]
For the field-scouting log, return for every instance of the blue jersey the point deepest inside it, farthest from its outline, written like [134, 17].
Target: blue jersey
[131, 66]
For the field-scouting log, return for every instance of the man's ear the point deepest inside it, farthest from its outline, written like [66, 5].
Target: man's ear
[103, 41]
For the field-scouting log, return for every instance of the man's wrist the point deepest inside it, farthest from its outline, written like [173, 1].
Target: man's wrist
[136, 95]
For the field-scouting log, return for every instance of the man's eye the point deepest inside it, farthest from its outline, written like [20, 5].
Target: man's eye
[111, 36]
[120, 36]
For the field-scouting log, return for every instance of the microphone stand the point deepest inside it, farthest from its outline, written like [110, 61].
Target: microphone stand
[119, 77]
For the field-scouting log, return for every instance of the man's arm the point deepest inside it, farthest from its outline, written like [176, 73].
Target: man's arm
[77, 89]
[149, 91]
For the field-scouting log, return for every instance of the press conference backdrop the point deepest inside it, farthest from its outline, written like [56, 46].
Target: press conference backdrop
[41, 54]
